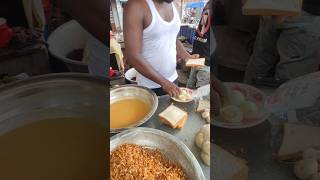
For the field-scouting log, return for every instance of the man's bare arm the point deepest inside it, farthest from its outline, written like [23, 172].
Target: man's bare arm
[181, 51]
[92, 15]
[133, 32]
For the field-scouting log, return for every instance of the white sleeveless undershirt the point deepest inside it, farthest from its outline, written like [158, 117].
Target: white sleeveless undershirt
[159, 46]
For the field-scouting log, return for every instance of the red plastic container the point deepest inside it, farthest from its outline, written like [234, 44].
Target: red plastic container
[6, 33]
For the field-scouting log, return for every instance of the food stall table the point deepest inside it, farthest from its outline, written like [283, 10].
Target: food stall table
[31, 59]
[256, 145]
[187, 133]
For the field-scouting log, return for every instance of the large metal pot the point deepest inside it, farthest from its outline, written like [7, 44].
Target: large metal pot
[68, 95]
[134, 91]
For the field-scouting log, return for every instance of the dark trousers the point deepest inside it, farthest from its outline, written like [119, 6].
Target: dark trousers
[160, 91]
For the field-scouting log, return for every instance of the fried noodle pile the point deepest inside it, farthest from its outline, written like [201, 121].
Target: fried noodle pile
[134, 162]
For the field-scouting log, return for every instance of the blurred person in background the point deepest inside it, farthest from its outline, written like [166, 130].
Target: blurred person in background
[204, 45]
[285, 47]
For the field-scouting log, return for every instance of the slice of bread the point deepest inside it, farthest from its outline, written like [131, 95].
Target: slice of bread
[203, 105]
[195, 62]
[296, 139]
[182, 122]
[228, 167]
[275, 7]
[173, 117]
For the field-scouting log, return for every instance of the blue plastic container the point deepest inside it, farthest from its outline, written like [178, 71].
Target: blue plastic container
[187, 32]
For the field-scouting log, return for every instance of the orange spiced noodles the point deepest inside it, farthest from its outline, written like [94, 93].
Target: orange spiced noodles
[134, 162]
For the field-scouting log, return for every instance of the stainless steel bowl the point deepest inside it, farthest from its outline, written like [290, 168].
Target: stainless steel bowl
[169, 145]
[134, 91]
[54, 96]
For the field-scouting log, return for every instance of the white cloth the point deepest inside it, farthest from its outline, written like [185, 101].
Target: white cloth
[98, 57]
[34, 13]
[159, 46]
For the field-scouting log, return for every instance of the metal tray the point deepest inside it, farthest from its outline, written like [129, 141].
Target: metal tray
[169, 145]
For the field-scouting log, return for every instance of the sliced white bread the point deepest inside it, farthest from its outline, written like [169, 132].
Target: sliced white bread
[296, 139]
[173, 117]
[228, 167]
[274, 7]
[195, 62]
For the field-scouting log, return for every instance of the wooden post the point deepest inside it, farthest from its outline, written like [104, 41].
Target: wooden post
[115, 14]
[181, 9]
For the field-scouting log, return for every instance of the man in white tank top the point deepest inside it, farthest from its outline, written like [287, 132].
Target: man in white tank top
[150, 32]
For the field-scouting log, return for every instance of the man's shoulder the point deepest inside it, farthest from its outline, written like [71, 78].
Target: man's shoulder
[136, 4]
[135, 10]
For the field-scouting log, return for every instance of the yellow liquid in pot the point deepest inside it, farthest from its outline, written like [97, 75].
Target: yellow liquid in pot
[127, 112]
[61, 149]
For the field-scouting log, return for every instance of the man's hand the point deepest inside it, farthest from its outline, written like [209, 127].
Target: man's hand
[171, 88]
[279, 19]
[190, 56]
[183, 54]
[219, 95]
[194, 56]
[187, 57]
